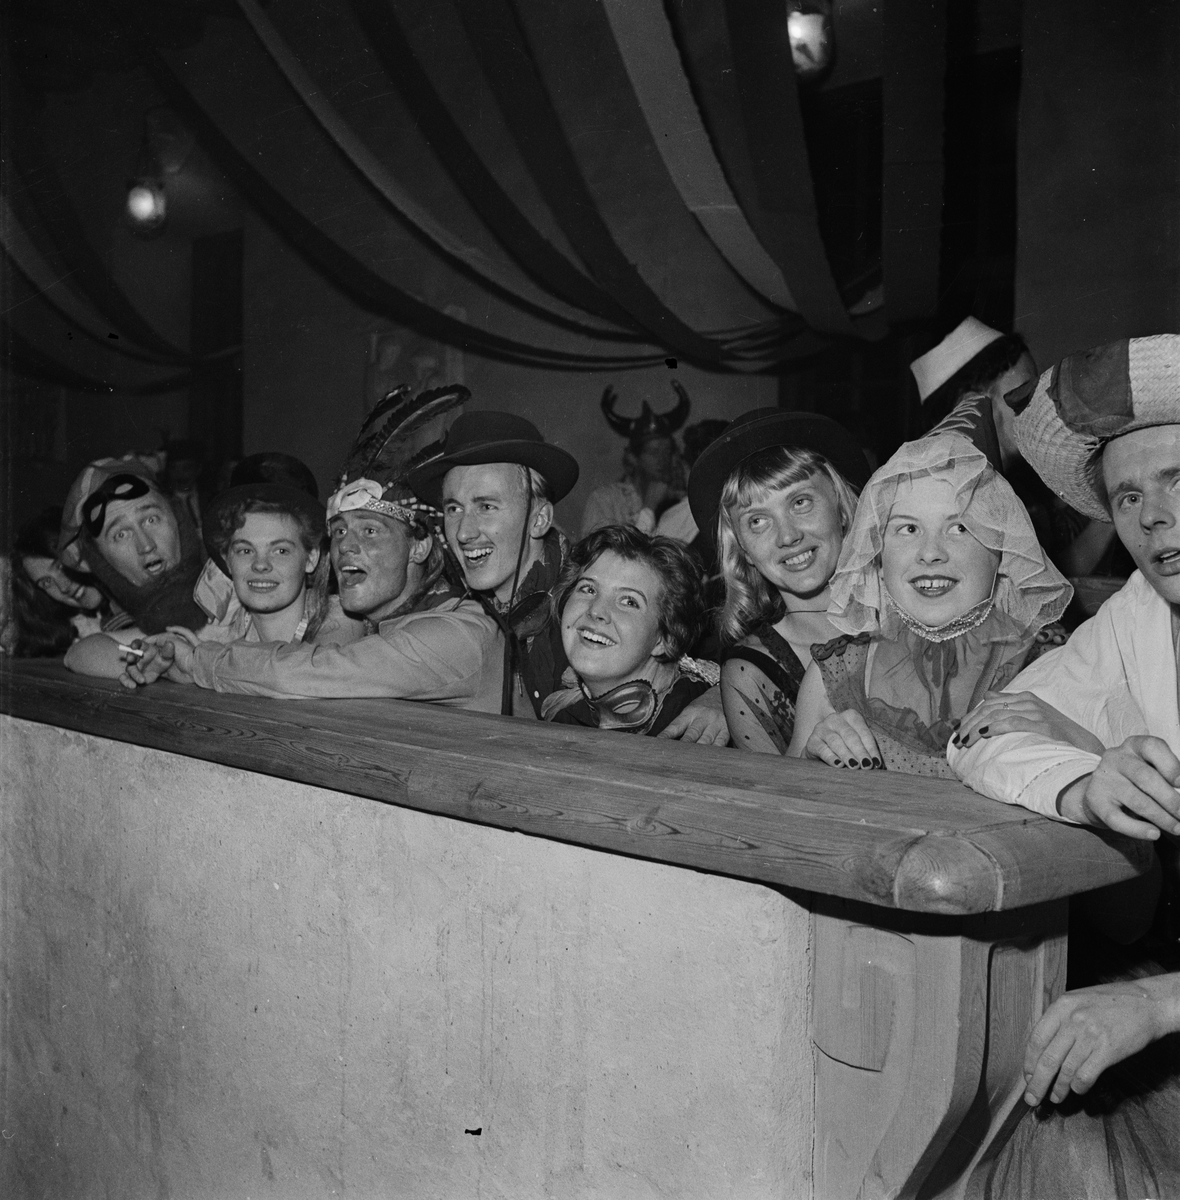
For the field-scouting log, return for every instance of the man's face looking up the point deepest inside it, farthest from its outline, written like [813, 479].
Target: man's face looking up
[371, 555]
[140, 538]
[486, 510]
[1141, 471]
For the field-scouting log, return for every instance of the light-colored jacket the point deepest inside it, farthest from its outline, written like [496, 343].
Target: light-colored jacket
[1116, 677]
[452, 654]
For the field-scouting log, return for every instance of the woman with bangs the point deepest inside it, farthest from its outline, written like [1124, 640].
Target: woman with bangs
[778, 491]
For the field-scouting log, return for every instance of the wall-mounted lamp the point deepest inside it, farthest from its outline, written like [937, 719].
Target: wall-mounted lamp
[809, 30]
[165, 149]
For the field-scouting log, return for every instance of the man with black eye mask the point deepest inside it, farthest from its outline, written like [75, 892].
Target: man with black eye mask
[142, 548]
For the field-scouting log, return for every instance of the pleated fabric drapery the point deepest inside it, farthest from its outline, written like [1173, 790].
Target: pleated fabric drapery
[716, 104]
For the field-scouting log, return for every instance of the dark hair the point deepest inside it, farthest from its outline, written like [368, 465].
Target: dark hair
[43, 625]
[682, 600]
[227, 519]
[973, 376]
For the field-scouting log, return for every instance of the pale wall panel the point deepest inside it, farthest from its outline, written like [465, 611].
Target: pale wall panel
[220, 983]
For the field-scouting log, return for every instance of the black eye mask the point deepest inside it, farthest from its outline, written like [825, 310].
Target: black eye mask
[118, 487]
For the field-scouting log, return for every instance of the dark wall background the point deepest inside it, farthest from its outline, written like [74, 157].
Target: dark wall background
[1099, 173]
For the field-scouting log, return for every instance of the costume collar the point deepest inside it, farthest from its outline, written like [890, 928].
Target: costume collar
[956, 627]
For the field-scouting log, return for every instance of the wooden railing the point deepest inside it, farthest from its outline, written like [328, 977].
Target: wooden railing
[911, 934]
[900, 841]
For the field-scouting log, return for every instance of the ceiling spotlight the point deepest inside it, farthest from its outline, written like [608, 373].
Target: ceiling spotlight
[147, 206]
[809, 30]
[163, 153]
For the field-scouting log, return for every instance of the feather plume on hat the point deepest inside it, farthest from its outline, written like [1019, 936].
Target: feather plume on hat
[401, 433]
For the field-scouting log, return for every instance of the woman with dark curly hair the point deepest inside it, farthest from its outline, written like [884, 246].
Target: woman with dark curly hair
[629, 606]
[269, 539]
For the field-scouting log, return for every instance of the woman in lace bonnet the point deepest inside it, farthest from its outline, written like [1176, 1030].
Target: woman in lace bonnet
[940, 592]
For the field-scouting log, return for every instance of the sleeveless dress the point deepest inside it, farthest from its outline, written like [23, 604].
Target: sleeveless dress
[760, 680]
[912, 693]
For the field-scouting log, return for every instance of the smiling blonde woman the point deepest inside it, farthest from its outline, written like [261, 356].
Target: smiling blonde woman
[777, 491]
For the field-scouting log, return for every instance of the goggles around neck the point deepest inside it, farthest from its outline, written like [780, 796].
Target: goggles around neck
[117, 487]
[631, 706]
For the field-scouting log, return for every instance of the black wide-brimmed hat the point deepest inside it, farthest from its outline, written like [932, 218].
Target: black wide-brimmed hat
[496, 437]
[762, 429]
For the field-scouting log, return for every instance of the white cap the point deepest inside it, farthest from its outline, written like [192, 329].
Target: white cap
[955, 351]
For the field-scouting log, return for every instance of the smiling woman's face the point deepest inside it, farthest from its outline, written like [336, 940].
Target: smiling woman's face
[793, 536]
[934, 568]
[49, 576]
[610, 626]
[268, 561]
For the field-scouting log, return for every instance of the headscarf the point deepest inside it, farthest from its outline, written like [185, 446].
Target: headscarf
[923, 681]
[1029, 590]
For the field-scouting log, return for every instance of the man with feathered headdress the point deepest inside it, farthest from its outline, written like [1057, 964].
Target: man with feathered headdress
[424, 642]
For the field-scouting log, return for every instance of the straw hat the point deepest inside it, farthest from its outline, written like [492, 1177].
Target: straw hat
[953, 353]
[1087, 400]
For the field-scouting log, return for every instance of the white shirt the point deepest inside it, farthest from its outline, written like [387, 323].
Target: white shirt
[1116, 677]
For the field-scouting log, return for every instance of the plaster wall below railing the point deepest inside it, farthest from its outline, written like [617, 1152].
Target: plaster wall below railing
[218, 983]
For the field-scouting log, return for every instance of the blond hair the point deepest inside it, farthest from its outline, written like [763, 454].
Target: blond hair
[749, 599]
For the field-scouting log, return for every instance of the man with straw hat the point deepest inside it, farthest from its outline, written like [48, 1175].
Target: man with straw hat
[1102, 428]
[961, 384]
[1090, 733]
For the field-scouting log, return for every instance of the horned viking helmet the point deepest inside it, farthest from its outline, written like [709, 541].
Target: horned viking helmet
[648, 424]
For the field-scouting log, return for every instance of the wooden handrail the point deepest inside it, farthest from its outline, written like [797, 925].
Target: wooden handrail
[894, 840]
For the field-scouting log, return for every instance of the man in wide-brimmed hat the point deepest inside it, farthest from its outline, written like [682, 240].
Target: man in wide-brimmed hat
[496, 483]
[1102, 428]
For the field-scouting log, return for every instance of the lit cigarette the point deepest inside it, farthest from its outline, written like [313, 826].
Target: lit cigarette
[135, 653]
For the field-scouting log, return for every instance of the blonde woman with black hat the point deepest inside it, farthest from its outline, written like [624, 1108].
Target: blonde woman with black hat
[777, 490]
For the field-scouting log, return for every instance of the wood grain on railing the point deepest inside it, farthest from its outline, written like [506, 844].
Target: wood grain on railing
[894, 840]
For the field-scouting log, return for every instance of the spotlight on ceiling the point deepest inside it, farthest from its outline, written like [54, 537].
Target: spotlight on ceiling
[147, 205]
[809, 30]
[163, 153]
